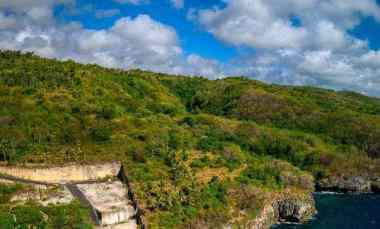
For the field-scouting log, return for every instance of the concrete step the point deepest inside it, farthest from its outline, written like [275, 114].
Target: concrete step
[110, 200]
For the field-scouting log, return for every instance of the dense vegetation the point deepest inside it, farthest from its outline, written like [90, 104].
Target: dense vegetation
[199, 152]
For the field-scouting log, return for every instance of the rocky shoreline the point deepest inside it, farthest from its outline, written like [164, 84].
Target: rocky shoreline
[286, 207]
[356, 184]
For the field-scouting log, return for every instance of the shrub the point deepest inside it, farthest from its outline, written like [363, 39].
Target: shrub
[374, 151]
[28, 216]
[6, 220]
[7, 190]
[189, 121]
[263, 174]
[139, 156]
[209, 143]
[101, 134]
[108, 111]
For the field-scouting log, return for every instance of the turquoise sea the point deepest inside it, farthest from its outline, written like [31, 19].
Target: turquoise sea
[341, 211]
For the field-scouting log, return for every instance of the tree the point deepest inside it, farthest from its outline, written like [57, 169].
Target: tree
[7, 149]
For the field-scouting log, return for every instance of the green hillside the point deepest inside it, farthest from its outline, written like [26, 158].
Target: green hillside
[197, 151]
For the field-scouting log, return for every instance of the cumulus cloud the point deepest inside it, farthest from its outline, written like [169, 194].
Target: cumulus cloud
[269, 23]
[204, 67]
[299, 42]
[251, 23]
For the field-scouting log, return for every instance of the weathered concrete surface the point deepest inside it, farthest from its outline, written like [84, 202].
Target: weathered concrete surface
[44, 195]
[129, 225]
[65, 174]
[110, 201]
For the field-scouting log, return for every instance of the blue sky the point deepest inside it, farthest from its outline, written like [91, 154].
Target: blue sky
[368, 29]
[332, 44]
[193, 38]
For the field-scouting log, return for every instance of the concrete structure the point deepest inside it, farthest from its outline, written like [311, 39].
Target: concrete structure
[110, 200]
[64, 174]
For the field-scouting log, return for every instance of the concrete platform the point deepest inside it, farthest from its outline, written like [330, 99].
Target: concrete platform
[110, 201]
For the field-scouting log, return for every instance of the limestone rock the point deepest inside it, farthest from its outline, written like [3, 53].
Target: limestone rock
[286, 207]
[356, 184]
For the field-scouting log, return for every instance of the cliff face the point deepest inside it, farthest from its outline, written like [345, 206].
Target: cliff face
[354, 184]
[294, 210]
[286, 207]
[299, 208]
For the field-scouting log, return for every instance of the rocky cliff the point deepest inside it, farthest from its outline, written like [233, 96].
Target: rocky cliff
[288, 206]
[354, 184]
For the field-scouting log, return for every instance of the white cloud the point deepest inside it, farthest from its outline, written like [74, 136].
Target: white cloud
[317, 50]
[370, 59]
[251, 23]
[178, 4]
[268, 23]
[327, 67]
[130, 43]
[204, 67]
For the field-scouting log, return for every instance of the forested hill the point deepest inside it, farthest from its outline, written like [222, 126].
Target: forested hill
[186, 141]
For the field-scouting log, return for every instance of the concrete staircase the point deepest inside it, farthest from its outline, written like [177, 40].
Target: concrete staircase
[108, 202]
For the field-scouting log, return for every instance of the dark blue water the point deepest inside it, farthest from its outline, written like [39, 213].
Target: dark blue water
[343, 212]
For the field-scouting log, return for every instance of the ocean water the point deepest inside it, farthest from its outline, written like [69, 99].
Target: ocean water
[343, 211]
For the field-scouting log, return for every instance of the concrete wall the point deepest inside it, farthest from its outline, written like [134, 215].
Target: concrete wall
[70, 173]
